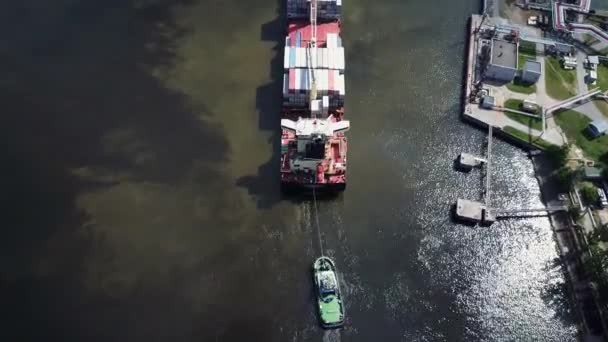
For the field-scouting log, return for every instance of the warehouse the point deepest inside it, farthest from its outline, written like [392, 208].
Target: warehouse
[597, 129]
[531, 72]
[503, 61]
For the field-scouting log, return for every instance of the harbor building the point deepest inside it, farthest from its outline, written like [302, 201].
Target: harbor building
[531, 71]
[503, 61]
[597, 129]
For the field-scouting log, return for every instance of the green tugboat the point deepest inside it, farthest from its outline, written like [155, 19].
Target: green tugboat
[331, 309]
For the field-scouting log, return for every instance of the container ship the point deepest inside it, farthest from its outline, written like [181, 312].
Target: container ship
[313, 141]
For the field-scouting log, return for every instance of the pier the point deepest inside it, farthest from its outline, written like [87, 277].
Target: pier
[528, 212]
[484, 213]
[468, 161]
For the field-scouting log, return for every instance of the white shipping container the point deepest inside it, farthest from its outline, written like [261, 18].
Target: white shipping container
[285, 84]
[336, 81]
[320, 58]
[286, 58]
[324, 80]
[341, 60]
[330, 40]
[305, 59]
[298, 57]
[297, 81]
[315, 106]
[336, 59]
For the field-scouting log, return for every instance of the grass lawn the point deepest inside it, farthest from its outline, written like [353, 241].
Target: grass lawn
[525, 137]
[560, 83]
[518, 87]
[513, 104]
[527, 48]
[522, 58]
[528, 121]
[602, 77]
[574, 124]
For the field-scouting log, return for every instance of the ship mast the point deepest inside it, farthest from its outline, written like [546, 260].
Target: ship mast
[312, 51]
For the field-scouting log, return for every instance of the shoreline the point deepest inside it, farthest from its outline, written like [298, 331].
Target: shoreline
[564, 232]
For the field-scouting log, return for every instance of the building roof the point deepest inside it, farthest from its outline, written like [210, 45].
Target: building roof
[601, 126]
[592, 172]
[489, 100]
[532, 66]
[594, 59]
[504, 53]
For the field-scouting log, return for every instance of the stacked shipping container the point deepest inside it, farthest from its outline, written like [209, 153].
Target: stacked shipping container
[322, 58]
[328, 64]
[297, 85]
[327, 9]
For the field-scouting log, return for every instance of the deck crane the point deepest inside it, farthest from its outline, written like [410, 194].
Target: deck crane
[312, 51]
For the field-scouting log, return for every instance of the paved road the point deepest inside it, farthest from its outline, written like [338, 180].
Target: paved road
[588, 108]
[493, 8]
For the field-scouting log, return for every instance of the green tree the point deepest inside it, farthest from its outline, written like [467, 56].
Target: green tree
[564, 178]
[604, 160]
[596, 263]
[557, 154]
[575, 212]
[602, 232]
[589, 194]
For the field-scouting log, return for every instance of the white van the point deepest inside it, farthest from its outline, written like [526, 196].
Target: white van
[603, 200]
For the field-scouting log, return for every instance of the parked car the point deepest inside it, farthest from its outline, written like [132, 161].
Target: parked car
[603, 199]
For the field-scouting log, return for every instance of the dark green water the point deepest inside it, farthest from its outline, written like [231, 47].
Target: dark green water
[140, 192]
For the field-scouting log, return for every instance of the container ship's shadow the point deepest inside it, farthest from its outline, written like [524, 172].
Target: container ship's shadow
[265, 185]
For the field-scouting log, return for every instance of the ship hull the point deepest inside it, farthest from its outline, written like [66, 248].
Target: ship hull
[303, 188]
[329, 177]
